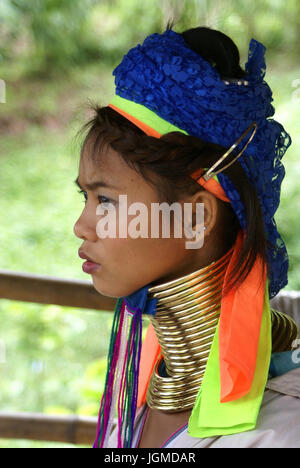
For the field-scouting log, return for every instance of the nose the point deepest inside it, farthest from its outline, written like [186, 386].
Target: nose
[84, 228]
[77, 229]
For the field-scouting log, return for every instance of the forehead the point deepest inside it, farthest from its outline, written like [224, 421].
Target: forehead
[109, 166]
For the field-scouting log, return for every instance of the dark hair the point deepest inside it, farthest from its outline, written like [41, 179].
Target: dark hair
[173, 157]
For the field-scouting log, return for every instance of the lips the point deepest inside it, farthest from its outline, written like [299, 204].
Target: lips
[84, 256]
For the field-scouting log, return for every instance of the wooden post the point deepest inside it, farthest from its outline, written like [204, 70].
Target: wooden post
[35, 426]
[28, 287]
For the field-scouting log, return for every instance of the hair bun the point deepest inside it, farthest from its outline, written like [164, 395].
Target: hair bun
[217, 49]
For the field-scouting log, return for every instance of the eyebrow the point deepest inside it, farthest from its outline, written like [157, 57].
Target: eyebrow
[94, 185]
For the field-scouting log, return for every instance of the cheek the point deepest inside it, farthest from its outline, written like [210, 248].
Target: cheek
[137, 253]
[131, 263]
[143, 260]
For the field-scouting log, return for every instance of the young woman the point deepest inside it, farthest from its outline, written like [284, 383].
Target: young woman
[188, 126]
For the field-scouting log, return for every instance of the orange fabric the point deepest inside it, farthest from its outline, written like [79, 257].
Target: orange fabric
[211, 185]
[148, 130]
[241, 312]
[239, 329]
[149, 356]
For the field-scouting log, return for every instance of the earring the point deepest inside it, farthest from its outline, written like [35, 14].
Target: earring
[199, 230]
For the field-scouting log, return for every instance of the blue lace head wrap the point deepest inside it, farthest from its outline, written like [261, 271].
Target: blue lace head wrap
[166, 76]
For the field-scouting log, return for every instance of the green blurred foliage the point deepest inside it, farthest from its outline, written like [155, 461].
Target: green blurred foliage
[55, 35]
[52, 358]
[58, 34]
[55, 55]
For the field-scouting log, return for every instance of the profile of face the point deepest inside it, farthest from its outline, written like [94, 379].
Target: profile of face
[128, 263]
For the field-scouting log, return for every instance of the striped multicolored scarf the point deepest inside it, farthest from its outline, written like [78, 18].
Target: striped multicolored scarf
[121, 384]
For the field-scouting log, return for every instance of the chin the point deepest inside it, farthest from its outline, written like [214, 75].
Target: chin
[109, 289]
[106, 290]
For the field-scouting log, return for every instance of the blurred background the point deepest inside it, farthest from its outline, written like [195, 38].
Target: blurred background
[55, 57]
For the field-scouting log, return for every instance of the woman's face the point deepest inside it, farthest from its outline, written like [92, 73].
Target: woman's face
[128, 263]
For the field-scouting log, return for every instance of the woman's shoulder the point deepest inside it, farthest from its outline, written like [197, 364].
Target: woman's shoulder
[278, 423]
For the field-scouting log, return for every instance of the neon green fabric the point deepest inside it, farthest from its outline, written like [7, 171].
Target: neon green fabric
[145, 115]
[213, 418]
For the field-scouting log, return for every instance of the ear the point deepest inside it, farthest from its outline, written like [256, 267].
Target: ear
[211, 210]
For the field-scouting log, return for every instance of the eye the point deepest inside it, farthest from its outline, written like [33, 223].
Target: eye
[84, 193]
[105, 201]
